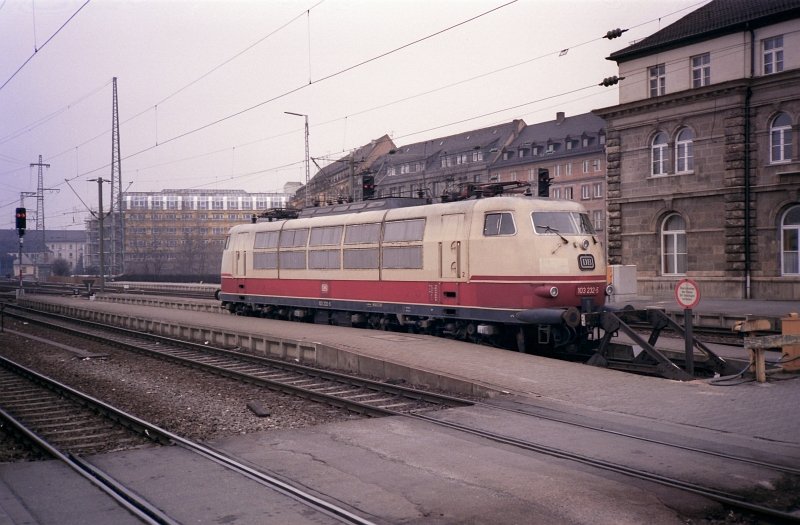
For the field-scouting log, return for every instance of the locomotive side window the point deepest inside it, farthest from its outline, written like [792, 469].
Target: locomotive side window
[266, 239]
[412, 230]
[293, 238]
[265, 260]
[402, 257]
[499, 224]
[326, 236]
[323, 259]
[360, 258]
[294, 260]
[362, 233]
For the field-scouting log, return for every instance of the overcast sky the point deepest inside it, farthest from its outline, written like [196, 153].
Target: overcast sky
[203, 86]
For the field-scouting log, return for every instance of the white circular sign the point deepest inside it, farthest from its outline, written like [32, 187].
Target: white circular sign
[687, 293]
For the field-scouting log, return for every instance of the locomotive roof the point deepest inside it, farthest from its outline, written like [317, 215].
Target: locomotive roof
[378, 213]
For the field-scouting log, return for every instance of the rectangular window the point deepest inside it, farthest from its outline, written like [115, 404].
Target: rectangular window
[658, 80]
[293, 238]
[362, 233]
[568, 169]
[498, 224]
[402, 257]
[323, 259]
[586, 192]
[773, 55]
[202, 203]
[217, 203]
[140, 202]
[586, 166]
[172, 202]
[568, 193]
[265, 260]
[701, 70]
[596, 164]
[598, 220]
[326, 236]
[412, 230]
[360, 258]
[294, 260]
[598, 190]
[266, 239]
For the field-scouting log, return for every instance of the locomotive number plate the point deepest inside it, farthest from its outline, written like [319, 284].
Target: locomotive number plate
[586, 261]
[587, 290]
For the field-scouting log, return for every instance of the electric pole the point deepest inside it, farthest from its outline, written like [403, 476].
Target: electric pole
[117, 219]
[100, 216]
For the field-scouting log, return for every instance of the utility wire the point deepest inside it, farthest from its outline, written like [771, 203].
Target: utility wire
[301, 87]
[358, 65]
[36, 50]
[51, 116]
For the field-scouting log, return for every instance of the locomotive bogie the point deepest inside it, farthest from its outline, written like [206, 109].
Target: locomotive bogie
[481, 270]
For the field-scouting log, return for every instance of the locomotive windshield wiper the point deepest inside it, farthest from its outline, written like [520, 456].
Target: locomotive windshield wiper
[552, 230]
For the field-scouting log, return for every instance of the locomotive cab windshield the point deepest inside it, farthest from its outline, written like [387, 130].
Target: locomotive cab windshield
[562, 223]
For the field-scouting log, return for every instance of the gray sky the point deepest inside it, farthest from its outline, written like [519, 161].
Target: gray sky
[203, 85]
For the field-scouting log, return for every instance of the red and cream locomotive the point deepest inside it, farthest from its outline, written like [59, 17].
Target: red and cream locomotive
[509, 270]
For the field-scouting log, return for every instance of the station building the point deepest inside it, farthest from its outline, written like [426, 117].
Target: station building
[703, 166]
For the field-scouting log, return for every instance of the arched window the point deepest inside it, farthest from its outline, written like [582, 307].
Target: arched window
[780, 138]
[673, 245]
[684, 151]
[790, 247]
[658, 151]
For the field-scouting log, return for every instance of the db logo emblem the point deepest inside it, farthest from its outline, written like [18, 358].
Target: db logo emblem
[586, 261]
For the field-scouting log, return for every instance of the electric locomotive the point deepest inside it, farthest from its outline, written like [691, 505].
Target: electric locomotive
[508, 270]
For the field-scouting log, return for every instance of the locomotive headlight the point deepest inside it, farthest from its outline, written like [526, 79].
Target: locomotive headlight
[547, 291]
[610, 289]
[585, 244]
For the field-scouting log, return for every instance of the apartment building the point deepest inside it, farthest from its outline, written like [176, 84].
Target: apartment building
[572, 149]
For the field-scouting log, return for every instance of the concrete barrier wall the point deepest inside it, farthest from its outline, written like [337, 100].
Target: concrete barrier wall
[265, 346]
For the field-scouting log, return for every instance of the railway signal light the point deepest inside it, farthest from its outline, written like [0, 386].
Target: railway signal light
[21, 216]
[367, 186]
[543, 183]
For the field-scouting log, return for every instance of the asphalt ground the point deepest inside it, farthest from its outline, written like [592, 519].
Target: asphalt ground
[397, 471]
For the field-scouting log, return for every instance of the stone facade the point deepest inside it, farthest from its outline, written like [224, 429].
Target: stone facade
[732, 201]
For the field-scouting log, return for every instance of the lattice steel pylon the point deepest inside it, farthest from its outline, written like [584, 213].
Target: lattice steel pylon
[117, 232]
[40, 189]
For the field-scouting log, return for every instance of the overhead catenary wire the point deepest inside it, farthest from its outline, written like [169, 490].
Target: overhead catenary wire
[342, 71]
[37, 49]
[304, 86]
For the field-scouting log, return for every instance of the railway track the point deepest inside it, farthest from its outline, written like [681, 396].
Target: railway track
[65, 424]
[359, 395]
[730, 500]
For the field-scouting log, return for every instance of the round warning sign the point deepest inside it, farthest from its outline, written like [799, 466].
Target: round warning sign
[687, 293]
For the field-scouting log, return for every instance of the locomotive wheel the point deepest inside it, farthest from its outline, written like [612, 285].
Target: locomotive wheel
[526, 339]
